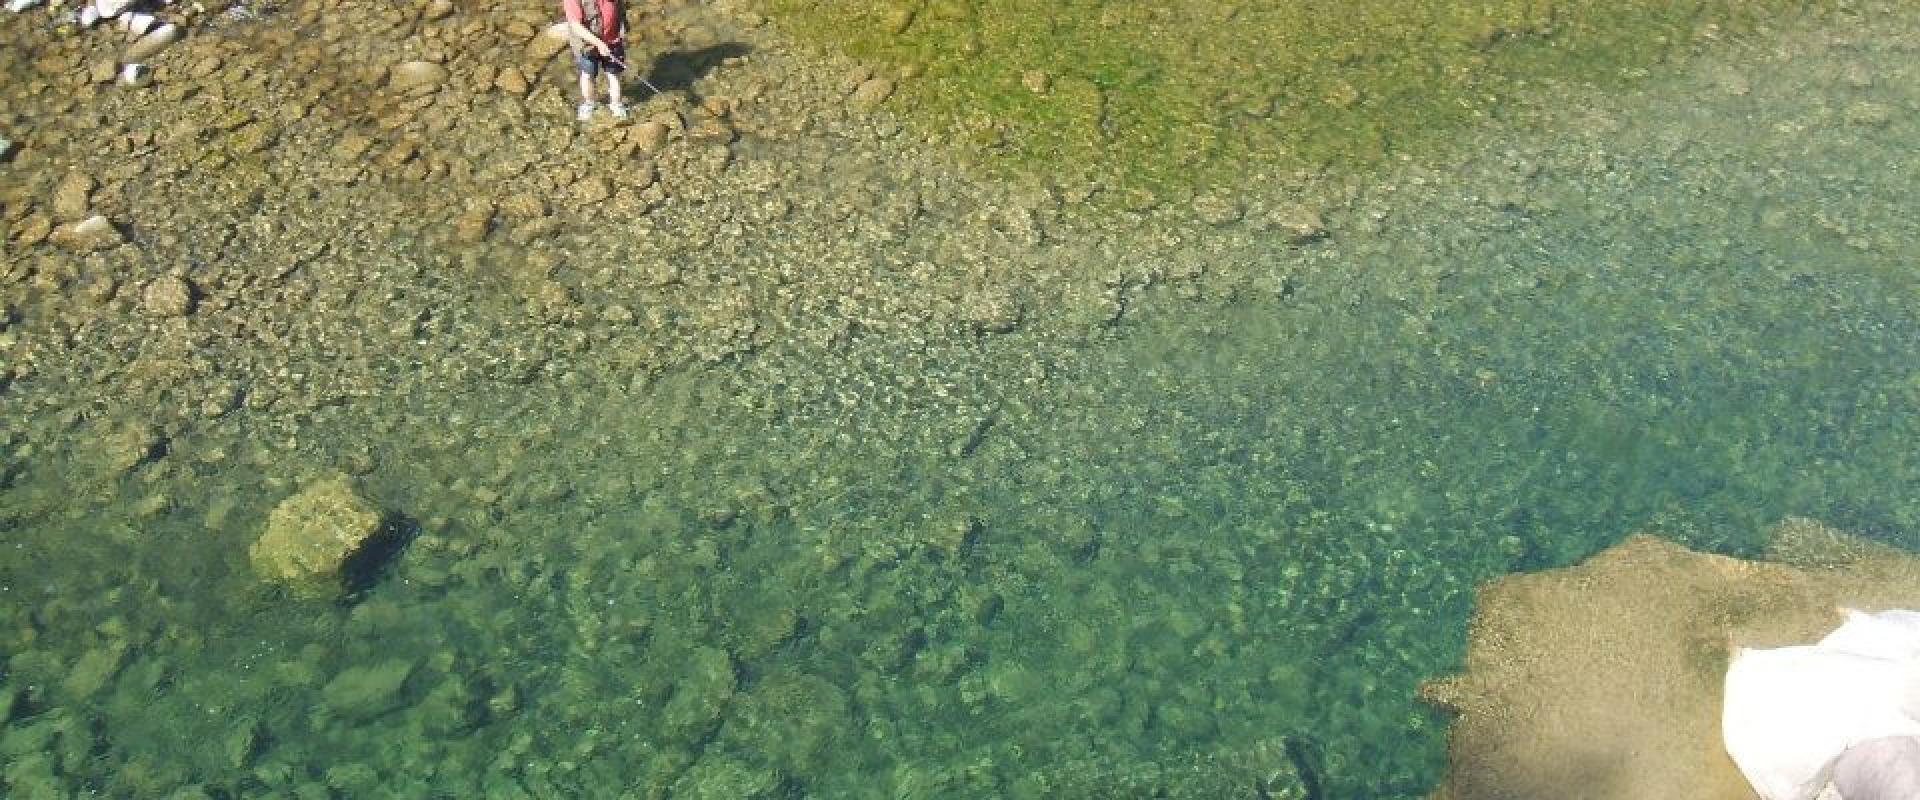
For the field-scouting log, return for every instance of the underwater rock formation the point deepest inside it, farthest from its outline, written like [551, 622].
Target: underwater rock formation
[312, 535]
[1604, 680]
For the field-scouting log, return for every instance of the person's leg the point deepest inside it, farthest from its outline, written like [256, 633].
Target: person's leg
[616, 102]
[587, 71]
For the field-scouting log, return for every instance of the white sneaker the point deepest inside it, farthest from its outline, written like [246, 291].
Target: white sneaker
[584, 112]
[618, 109]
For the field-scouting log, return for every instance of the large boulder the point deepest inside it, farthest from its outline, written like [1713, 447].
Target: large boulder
[312, 535]
[1604, 680]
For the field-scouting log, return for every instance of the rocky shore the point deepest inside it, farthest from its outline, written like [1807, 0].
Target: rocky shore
[1604, 680]
[315, 204]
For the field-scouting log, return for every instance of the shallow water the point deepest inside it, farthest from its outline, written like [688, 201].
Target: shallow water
[1209, 552]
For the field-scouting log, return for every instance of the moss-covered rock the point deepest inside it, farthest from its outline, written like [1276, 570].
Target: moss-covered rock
[789, 719]
[368, 691]
[1165, 97]
[311, 535]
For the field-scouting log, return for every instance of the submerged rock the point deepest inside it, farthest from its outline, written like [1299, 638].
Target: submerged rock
[92, 233]
[152, 43]
[311, 535]
[718, 777]
[546, 44]
[124, 448]
[1605, 679]
[73, 195]
[359, 693]
[651, 136]
[790, 719]
[418, 77]
[1217, 208]
[168, 296]
[511, 81]
[992, 310]
[93, 670]
[870, 94]
[1299, 223]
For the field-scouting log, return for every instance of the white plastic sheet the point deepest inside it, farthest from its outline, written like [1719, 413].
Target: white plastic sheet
[1792, 712]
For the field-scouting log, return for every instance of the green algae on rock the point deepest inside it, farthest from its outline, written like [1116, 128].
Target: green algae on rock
[311, 535]
[1174, 96]
[364, 692]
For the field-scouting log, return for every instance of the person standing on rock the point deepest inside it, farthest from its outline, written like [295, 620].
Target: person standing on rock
[597, 32]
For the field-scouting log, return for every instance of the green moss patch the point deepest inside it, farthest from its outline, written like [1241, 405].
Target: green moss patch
[1165, 95]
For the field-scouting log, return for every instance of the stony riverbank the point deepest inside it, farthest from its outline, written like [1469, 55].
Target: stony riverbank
[290, 225]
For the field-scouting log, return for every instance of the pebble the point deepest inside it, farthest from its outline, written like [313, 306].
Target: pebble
[365, 692]
[1036, 81]
[33, 230]
[511, 81]
[651, 136]
[168, 296]
[1871, 115]
[991, 311]
[1300, 223]
[474, 224]
[546, 44]
[138, 76]
[6, 149]
[1857, 76]
[1217, 208]
[93, 669]
[870, 94]
[641, 176]
[92, 233]
[857, 75]
[591, 190]
[418, 77]
[71, 197]
[439, 9]
[151, 44]
[126, 448]
[897, 20]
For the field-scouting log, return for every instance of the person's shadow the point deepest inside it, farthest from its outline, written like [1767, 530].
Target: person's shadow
[677, 71]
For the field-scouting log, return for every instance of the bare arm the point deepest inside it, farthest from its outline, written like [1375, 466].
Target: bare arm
[580, 32]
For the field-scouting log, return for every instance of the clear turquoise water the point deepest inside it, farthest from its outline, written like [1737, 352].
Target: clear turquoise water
[1218, 544]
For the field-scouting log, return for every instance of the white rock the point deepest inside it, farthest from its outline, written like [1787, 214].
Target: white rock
[135, 75]
[1789, 712]
[150, 45]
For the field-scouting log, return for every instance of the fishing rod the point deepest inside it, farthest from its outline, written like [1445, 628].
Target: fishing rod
[642, 78]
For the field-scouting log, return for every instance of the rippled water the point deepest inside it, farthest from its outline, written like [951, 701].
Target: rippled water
[1209, 552]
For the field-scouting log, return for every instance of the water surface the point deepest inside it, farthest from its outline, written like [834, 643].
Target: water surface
[1210, 549]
